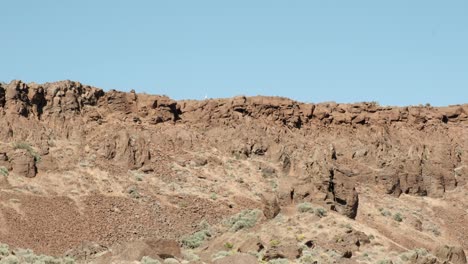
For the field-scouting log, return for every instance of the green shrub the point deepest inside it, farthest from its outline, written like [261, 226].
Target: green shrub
[385, 261]
[308, 258]
[228, 245]
[278, 261]
[133, 192]
[422, 251]
[10, 260]
[244, 219]
[398, 217]
[3, 171]
[68, 260]
[28, 256]
[148, 260]
[436, 232]
[320, 212]
[305, 208]
[171, 261]
[28, 148]
[190, 256]
[43, 259]
[4, 250]
[220, 254]
[274, 243]
[385, 212]
[196, 239]
[138, 176]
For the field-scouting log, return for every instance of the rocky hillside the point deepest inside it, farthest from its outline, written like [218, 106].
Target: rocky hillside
[114, 177]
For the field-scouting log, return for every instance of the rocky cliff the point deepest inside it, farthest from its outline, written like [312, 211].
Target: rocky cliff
[93, 148]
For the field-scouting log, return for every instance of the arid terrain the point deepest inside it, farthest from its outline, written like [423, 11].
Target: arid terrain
[94, 176]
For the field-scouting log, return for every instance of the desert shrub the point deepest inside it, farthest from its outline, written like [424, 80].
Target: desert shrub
[244, 219]
[196, 239]
[278, 261]
[68, 260]
[43, 259]
[3, 171]
[148, 260]
[220, 254]
[404, 257]
[138, 176]
[398, 217]
[133, 192]
[421, 251]
[8, 256]
[213, 196]
[307, 258]
[228, 245]
[27, 255]
[348, 226]
[385, 212]
[305, 208]
[28, 148]
[320, 212]
[10, 260]
[190, 256]
[4, 250]
[171, 261]
[384, 261]
[274, 243]
[300, 237]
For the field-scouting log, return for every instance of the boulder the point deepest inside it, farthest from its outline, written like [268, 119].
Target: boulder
[165, 248]
[251, 245]
[455, 255]
[285, 249]
[23, 163]
[154, 248]
[239, 258]
[350, 241]
[271, 206]
[346, 199]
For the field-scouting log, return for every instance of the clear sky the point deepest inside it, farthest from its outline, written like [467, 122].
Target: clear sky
[396, 52]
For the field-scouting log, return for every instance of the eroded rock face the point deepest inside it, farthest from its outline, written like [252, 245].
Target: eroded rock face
[455, 255]
[289, 151]
[344, 195]
[131, 150]
[23, 163]
[418, 258]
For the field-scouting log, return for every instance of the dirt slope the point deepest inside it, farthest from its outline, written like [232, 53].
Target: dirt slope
[83, 170]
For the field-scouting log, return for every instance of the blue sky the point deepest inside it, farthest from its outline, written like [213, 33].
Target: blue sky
[397, 52]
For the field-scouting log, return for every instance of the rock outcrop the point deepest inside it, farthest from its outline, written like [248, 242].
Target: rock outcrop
[23, 163]
[239, 153]
[454, 255]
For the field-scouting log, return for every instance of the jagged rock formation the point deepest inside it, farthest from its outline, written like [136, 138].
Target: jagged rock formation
[321, 153]
[425, 168]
